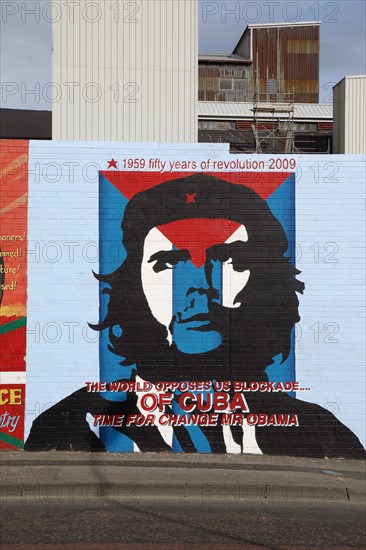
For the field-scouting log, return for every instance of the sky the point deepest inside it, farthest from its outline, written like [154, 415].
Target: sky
[26, 40]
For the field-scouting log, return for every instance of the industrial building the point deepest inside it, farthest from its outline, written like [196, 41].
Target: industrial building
[255, 98]
[218, 122]
[126, 72]
[263, 97]
[311, 127]
[269, 59]
[349, 101]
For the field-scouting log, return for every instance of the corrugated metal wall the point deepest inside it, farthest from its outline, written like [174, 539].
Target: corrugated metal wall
[127, 70]
[355, 119]
[349, 106]
[339, 117]
[287, 58]
[211, 75]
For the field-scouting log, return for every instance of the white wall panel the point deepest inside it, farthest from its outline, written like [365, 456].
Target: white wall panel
[350, 115]
[133, 70]
[355, 115]
[339, 117]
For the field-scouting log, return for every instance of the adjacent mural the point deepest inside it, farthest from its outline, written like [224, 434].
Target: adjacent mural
[173, 310]
[13, 291]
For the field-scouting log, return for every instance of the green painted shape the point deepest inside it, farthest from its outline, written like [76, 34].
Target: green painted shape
[13, 325]
[12, 440]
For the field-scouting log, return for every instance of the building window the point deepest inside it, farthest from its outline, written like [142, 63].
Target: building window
[226, 83]
[272, 86]
[232, 84]
[305, 127]
[216, 125]
[299, 126]
[239, 85]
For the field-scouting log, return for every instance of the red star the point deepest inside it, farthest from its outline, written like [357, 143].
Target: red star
[112, 163]
[191, 197]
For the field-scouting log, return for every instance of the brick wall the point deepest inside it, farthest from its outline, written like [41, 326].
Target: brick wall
[64, 234]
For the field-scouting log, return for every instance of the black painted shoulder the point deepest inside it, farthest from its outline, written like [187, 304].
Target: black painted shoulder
[64, 426]
[319, 433]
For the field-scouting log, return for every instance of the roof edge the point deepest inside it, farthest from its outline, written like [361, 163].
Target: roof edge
[293, 24]
[274, 25]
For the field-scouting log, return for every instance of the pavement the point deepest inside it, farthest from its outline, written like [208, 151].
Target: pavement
[74, 476]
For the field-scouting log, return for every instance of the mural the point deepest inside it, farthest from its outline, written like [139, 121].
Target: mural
[13, 292]
[181, 299]
[197, 312]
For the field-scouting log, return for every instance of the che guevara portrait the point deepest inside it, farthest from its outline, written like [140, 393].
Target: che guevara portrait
[207, 293]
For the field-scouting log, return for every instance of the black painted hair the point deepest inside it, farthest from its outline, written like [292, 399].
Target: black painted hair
[253, 333]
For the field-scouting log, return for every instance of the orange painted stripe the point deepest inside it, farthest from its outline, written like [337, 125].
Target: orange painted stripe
[20, 201]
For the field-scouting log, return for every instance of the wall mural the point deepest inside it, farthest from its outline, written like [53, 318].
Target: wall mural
[13, 292]
[192, 345]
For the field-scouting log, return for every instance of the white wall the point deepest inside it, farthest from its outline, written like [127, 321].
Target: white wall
[63, 251]
[127, 70]
[330, 238]
[350, 115]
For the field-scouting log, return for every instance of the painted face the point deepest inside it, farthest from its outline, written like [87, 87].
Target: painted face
[188, 268]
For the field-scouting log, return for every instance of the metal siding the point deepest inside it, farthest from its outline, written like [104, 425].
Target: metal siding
[209, 75]
[274, 58]
[355, 115]
[304, 111]
[158, 54]
[339, 117]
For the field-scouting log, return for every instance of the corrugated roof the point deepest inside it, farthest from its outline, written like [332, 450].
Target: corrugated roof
[285, 24]
[222, 58]
[238, 110]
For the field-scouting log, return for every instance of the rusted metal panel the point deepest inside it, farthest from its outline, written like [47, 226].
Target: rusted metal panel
[222, 70]
[243, 124]
[210, 84]
[286, 59]
[223, 82]
[301, 45]
[325, 127]
[303, 87]
[208, 71]
[302, 67]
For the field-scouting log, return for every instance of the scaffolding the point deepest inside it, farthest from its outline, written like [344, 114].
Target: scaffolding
[273, 122]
